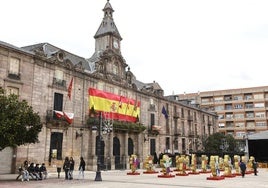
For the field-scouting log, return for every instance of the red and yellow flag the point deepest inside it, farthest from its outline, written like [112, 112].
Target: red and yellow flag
[115, 106]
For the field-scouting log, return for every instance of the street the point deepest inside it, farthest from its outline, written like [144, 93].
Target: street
[120, 179]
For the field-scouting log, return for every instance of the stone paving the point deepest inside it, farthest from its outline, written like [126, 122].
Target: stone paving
[120, 179]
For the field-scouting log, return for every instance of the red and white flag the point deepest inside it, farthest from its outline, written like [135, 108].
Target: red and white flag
[69, 117]
[59, 114]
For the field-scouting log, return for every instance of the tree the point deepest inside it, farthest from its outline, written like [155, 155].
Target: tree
[18, 123]
[219, 143]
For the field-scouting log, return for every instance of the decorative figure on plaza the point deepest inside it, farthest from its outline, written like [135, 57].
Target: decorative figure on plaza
[149, 165]
[236, 165]
[133, 162]
[214, 165]
[221, 164]
[193, 165]
[181, 165]
[166, 163]
[204, 163]
[250, 165]
[227, 166]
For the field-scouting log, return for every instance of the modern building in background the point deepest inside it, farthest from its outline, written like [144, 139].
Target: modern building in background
[241, 111]
[71, 93]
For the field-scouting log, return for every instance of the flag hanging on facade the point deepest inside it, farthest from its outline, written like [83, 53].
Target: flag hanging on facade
[70, 88]
[103, 101]
[66, 115]
[164, 112]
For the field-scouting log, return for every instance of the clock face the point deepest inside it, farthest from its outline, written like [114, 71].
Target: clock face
[116, 44]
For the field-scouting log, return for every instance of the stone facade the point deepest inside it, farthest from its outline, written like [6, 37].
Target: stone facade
[42, 73]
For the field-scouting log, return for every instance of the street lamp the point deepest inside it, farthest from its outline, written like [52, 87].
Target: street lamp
[105, 126]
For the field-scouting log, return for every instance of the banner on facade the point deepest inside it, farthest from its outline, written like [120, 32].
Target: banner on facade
[114, 106]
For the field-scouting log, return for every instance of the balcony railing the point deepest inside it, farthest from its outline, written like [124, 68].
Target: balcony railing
[53, 121]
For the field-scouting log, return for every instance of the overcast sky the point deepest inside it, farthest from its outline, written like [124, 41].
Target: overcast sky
[184, 45]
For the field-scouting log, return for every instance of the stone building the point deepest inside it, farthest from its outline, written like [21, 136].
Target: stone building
[58, 85]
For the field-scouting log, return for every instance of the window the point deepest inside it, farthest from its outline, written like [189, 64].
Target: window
[259, 105]
[260, 114]
[240, 134]
[238, 97]
[221, 116]
[152, 120]
[219, 108]
[221, 125]
[250, 124]
[238, 106]
[218, 99]
[250, 115]
[260, 124]
[239, 116]
[248, 96]
[258, 96]
[240, 124]
[115, 68]
[14, 66]
[58, 102]
[228, 107]
[229, 116]
[12, 90]
[249, 105]
[58, 79]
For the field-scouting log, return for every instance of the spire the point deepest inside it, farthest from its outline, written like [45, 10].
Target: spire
[108, 26]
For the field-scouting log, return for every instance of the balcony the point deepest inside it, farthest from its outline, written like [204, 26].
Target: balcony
[176, 115]
[119, 126]
[59, 83]
[14, 76]
[53, 122]
[190, 118]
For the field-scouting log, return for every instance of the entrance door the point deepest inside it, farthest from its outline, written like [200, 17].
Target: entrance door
[55, 151]
[116, 152]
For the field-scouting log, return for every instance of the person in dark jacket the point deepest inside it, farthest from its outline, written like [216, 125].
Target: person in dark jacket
[255, 166]
[66, 167]
[43, 171]
[71, 168]
[81, 168]
[243, 168]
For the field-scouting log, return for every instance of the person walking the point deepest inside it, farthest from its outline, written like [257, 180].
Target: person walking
[66, 167]
[71, 168]
[255, 166]
[243, 168]
[81, 168]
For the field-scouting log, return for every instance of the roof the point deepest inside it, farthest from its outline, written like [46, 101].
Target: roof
[263, 135]
[107, 25]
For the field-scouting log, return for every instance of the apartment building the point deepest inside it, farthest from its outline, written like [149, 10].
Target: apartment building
[240, 111]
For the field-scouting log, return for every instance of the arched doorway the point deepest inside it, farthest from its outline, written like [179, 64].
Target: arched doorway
[130, 147]
[116, 152]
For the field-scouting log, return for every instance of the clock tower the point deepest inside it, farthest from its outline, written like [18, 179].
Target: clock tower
[107, 36]
[107, 61]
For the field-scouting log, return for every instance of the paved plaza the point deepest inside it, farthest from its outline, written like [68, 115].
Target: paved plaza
[120, 179]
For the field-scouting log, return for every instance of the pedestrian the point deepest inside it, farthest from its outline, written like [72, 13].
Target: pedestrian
[255, 166]
[243, 168]
[81, 168]
[155, 160]
[66, 167]
[71, 168]
[43, 171]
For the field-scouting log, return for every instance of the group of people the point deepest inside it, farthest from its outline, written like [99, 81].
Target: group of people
[68, 167]
[243, 168]
[35, 171]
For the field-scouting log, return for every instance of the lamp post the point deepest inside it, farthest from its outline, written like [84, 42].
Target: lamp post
[98, 172]
[103, 127]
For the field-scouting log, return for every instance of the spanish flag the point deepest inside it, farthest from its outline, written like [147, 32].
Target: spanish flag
[118, 107]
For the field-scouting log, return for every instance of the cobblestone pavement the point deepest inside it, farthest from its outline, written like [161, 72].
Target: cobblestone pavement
[120, 179]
